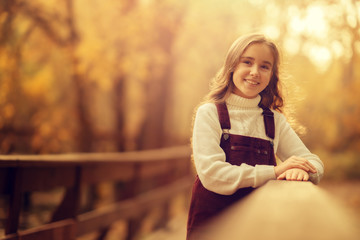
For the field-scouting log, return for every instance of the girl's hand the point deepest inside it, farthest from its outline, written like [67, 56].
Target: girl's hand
[294, 162]
[294, 174]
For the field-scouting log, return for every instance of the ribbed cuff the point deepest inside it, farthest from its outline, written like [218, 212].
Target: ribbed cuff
[264, 173]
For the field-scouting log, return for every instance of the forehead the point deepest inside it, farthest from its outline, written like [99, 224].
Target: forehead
[259, 52]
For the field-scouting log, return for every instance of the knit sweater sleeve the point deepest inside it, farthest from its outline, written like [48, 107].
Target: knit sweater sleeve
[214, 172]
[291, 145]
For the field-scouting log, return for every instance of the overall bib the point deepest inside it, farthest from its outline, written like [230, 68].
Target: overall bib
[238, 149]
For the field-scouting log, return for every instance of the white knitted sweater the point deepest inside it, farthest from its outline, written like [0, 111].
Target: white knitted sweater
[246, 119]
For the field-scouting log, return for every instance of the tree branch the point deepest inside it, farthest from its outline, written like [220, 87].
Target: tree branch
[44, 22]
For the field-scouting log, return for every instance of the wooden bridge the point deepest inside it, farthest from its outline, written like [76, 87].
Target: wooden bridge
[166, 171]
[279, 210]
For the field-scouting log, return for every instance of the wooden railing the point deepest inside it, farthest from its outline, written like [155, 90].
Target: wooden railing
[283, 210]
[167, 172]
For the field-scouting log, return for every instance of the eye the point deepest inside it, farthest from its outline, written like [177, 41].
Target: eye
[265, 67]
[247, 62]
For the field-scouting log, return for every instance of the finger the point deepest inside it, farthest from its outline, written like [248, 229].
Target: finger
[300, 177]
[288, 175]
[294, 175]
[306, 177]
[301, 165]
[284, 176]
[304, 167]
[281, 177]
[312, 167]
[306, 163]
[296, 162]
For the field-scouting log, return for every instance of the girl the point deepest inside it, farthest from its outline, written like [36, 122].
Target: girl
[240, 128]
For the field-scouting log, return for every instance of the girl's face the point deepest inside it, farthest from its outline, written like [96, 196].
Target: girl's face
[254, 71]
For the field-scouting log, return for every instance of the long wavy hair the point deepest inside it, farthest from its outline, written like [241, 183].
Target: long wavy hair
[222, 84]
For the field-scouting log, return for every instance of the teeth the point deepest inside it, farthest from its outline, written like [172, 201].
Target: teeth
[251, 82]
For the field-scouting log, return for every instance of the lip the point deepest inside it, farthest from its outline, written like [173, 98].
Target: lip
[252, 82]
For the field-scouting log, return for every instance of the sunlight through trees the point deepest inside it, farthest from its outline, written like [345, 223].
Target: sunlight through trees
[124, 75]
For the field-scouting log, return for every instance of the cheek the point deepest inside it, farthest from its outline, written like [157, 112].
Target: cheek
[237, 76]
[267, 77]
[234, 77]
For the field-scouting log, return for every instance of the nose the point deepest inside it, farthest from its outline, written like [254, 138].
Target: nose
[254, 71]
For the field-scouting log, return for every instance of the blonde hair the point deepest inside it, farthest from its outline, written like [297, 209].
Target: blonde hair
[222, 85]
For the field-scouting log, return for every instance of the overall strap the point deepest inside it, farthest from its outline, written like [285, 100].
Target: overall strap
[269, 122]
[267, 113]
[223, 115]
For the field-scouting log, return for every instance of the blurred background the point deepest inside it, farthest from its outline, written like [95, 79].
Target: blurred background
[109, 76]
[95, 76]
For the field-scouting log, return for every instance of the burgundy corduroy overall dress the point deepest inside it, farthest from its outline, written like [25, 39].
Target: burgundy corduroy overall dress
[238, 149]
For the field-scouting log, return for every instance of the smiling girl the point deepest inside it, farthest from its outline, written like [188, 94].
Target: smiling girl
[239, 130]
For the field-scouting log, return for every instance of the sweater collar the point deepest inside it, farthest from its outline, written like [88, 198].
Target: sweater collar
[237, 101]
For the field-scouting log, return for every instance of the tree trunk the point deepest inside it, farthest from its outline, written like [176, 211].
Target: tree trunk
[119, 108]
[85, 133]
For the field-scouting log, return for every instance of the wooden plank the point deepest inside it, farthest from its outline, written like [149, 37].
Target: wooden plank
[38, 178]
[97, 172]
[284, 210]
[169, 154]
[46, 178]
[177, 167]
[101, 172]
[61, 230]
[49, 171]
[7, 163]
[103, 217]
[152, 169]
[10, 237]
[131, 208]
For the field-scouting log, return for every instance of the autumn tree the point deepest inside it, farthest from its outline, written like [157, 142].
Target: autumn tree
[167, 21]
[13, 129]
[59, 27]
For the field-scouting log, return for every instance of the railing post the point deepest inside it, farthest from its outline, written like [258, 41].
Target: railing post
[15, 200]
[71, 200]
[134, 223]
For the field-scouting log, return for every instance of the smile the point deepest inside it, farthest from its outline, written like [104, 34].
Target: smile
[252, 82]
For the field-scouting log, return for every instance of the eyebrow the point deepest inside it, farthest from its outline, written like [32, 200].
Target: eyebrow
[266, 62]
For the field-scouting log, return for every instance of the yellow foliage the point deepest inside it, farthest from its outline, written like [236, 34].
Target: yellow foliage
[183, 40]
[39, 85]
[8, 111]
[3, 17]
[46, 130]
[37, 142]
